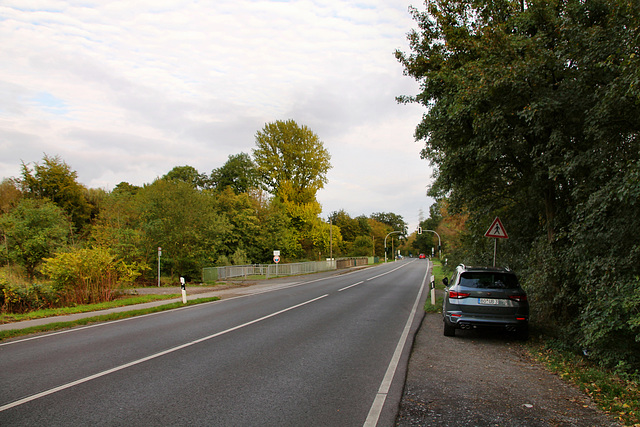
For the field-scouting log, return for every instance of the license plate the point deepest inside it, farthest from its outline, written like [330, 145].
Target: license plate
[488, 301]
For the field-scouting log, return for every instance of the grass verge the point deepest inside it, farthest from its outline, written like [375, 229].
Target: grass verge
[438, 274]
[103, 318]
[85, 308]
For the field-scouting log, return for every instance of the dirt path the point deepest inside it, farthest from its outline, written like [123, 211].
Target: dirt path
[484, 378]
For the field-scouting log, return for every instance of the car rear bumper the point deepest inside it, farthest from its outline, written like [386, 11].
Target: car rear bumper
[462, 321]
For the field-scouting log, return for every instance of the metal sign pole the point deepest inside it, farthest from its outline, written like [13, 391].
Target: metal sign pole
[495, 249]
[159, 255]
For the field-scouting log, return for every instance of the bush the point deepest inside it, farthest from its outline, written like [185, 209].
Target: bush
[86, 276]
[21, 299]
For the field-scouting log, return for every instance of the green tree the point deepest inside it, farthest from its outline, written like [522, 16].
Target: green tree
[277, 232]
[125, 187]
[533, 114]
[188, 174]
[33, 230]
[395, 221]
[241, 218]
[184, 222]
[54, 180]
[290, 154]
[239, 173]
[362, 246]
[119, 228]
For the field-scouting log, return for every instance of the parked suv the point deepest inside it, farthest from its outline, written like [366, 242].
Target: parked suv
[485, 296]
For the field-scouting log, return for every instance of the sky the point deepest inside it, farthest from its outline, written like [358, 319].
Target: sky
[127, 90]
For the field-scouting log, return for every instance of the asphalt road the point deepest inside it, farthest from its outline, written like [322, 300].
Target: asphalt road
[331, 351]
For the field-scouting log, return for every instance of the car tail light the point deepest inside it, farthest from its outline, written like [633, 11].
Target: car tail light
[458, 295]
[519, 298]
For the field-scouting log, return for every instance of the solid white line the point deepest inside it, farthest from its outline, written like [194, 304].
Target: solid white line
[145, 359]
[350, 286]
[110, 322]
[383, 391]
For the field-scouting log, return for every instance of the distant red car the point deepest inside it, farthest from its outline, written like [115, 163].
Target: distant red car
[422, 256]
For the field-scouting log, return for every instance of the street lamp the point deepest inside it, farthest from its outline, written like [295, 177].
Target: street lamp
[439, 243]
[385, 243]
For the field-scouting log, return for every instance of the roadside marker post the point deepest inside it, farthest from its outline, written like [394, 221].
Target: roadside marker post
[497, 231]
[433, 290]
[183, 285]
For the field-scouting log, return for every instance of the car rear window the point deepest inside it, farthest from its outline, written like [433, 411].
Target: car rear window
[489, 280]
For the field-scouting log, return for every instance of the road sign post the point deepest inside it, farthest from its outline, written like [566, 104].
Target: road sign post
[159, 255]
[497, 231]
[276, 259]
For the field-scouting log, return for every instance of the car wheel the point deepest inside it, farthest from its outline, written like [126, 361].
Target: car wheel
[449, 329]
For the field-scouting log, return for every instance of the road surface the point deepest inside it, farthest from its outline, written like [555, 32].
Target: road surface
[330, 351]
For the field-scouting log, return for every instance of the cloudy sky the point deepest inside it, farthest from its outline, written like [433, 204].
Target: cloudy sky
[126, 90]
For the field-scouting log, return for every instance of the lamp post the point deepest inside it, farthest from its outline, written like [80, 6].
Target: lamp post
[385, 243]
[439, 243]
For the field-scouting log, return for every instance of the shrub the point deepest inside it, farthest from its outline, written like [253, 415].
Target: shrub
[86, 276]
[15, 298]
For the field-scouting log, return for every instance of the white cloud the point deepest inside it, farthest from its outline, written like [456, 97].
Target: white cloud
[124, 91]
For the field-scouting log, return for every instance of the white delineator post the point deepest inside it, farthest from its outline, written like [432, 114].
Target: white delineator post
[184, 290]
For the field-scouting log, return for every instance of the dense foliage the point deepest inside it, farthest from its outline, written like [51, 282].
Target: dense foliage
[532, 115]
[87, 242]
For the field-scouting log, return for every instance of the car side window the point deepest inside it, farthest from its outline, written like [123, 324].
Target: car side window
[454, 277]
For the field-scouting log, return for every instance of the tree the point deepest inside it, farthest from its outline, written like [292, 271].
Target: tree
[396, 222]
[118, 226]
[239, 173]
[55, 181]
[533, 115]
[241, 219]
[10, 195]
[33, 231]
[187, 174]
[362, 246]
[184, 222]
[290, 154]
[379, 231]
[125, 187]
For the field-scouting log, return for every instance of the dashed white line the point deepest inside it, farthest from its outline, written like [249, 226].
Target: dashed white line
[145, 359]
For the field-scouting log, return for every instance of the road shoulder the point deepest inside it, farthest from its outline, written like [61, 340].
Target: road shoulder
[481, 378]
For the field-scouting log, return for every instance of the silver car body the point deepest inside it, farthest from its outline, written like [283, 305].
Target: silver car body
[485, 296]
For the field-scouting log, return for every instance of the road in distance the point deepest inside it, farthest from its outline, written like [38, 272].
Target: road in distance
[319, 352]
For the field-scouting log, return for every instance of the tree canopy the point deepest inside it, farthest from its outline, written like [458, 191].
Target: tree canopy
[532, 114]
[239, 173]
[54, 180]
[292, 158]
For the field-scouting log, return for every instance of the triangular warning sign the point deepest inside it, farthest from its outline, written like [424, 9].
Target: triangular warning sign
[497, 230]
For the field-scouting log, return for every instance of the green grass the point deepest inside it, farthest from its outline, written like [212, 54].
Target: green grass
[617, 396]
[52, 312]
[103, 318]
[438, 275]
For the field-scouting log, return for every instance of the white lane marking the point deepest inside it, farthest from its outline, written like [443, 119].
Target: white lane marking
[145, 359]
[390, 271]
[383, 391]
[111, 322]
[351, 286]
